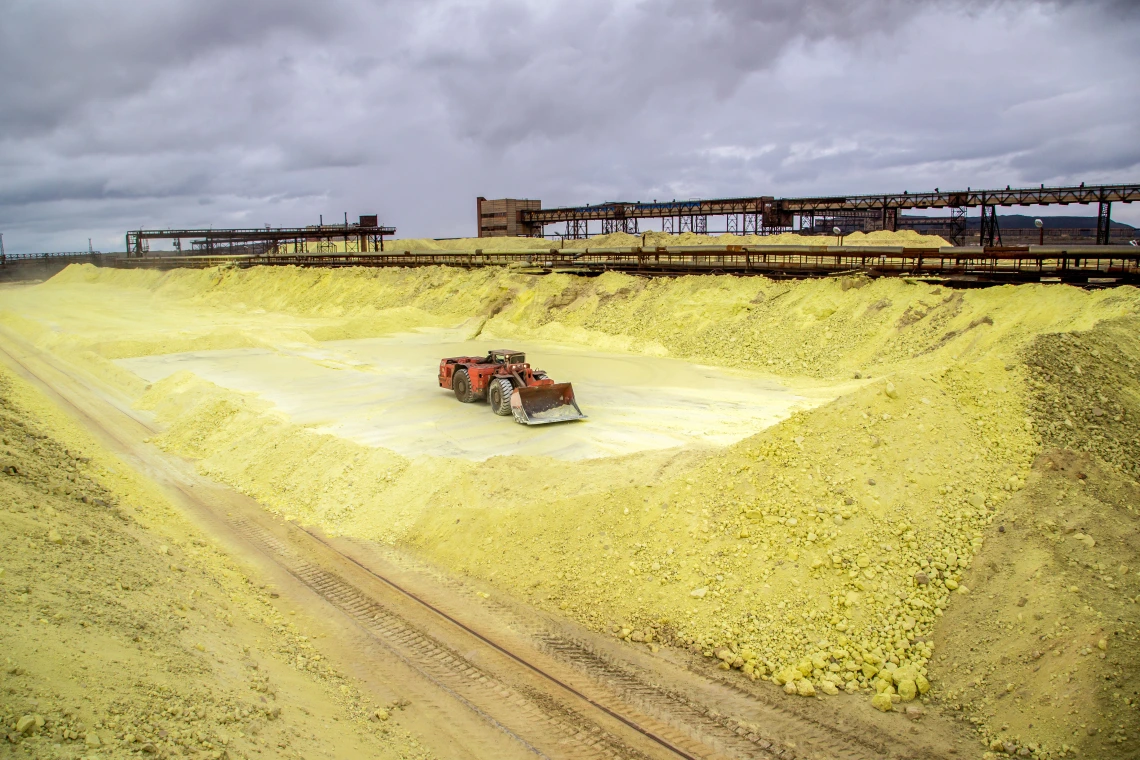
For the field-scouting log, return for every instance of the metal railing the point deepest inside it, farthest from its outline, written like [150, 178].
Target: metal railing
[1078, 263]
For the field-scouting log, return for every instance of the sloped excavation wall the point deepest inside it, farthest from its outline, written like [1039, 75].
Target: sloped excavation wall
[821, 553]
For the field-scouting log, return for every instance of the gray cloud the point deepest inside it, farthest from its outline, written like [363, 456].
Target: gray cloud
[59, 56]
[179, 113]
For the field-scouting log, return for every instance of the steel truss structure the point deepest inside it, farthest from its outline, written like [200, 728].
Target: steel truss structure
[768, 215]
[14, 258]
[362, 237]
[1090, 266]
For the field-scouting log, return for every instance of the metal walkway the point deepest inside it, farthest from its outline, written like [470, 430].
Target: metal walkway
[1083, 265]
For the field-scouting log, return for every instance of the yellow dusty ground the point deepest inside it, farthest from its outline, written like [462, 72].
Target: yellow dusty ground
[125, 632]
[822, 553]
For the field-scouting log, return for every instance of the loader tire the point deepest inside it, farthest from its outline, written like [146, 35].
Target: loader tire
[461, 384]
[499, 396]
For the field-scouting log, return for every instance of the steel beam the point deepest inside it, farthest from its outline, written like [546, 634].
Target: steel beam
[777, 212]
[1104, 223]
[274, 238]
[1093, 266]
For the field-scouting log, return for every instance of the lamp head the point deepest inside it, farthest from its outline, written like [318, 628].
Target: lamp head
[1038, 223]
[837, 231]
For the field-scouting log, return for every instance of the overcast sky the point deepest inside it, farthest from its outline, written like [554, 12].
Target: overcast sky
[184, 113]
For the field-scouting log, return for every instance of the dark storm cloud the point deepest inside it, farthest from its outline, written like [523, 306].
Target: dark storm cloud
[58, 56]
[527, 73]
[203, 112]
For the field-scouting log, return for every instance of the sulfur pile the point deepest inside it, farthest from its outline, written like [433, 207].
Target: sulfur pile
[823, 554]
[126, 633]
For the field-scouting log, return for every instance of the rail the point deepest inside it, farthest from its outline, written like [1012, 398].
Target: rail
[9, 258]
[1086, 264]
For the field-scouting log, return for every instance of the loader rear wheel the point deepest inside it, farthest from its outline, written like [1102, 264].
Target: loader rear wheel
[499, 396]
[461, 384]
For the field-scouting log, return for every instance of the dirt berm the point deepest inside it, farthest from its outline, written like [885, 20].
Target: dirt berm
[127, 633]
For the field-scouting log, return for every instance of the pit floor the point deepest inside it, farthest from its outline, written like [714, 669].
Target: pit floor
[384, 392]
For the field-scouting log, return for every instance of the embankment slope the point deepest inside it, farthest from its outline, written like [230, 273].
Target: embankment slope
[824, 553]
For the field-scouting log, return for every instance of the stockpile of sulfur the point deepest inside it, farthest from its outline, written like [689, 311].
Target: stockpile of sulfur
[821, 554]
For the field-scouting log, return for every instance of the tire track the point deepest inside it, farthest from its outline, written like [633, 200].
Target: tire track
[533, 722]
[557, 719]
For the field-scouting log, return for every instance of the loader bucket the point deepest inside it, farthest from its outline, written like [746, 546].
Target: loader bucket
[542, 405]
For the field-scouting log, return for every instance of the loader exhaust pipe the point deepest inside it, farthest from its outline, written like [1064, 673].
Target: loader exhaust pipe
[544, 404]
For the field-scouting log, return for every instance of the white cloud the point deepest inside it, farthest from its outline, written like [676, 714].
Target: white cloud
[737, 152]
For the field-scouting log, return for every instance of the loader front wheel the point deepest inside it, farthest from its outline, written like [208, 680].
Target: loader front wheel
[499, 396]
[461, 384]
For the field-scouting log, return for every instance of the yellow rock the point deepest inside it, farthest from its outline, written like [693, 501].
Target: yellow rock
[907, 690]
[922, 684]
[1087, 540]
[787, 675]
[882, 702]
[804, 688]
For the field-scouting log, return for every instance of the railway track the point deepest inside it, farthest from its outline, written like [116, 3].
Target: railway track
[553, 695]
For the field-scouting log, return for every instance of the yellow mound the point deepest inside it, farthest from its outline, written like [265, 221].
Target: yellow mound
[825, 548]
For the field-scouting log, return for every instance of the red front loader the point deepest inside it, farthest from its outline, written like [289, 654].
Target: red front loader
[505, 380]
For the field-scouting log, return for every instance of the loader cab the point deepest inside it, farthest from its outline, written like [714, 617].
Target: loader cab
[506, 357]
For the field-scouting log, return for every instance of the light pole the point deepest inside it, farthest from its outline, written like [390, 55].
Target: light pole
[1040, 225]
[838, 235]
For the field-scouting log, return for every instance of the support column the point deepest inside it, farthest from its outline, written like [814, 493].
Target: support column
[990, 230]
[890, 218]
[958, 225]
[1104, 223]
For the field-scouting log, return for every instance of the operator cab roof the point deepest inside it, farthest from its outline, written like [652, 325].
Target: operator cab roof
[507, 356]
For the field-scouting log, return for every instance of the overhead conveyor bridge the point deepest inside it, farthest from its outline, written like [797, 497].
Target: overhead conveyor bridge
[359, 237]
[762, 215]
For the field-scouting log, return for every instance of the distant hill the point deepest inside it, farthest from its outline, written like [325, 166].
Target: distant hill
[1017, 222]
